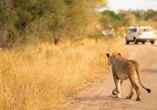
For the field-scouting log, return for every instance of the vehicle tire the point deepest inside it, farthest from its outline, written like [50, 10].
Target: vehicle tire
[152, 42]
[135, 41]
[127, 42]
[143, 42]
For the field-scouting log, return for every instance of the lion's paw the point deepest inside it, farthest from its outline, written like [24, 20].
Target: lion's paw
[128, 97]
[117, 96]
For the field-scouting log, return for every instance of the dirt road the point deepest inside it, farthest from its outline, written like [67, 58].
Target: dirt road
[98, 96]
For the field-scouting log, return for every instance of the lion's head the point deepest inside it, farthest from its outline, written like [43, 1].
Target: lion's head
[112, 57]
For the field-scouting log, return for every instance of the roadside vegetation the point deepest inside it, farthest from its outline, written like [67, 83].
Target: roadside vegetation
[43, 77]
[45, 51]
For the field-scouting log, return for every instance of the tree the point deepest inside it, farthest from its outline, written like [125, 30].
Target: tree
[95, 3]
[151, 14]
[110, 18]
[45, 20]
[139, 14]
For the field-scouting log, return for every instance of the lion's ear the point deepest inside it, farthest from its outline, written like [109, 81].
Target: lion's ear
[107, 55]
[119, 54]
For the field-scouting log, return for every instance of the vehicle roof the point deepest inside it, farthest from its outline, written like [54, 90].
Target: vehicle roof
[132, 27]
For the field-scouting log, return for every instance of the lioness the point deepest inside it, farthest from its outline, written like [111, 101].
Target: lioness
[122, 69]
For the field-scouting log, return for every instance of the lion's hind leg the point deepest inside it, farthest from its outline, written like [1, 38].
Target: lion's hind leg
[131, 93]
[134, 85]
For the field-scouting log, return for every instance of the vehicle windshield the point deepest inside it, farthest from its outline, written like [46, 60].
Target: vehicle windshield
[146, 30]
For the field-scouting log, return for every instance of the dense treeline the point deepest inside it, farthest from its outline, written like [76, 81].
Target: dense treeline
[123, 19]
[23, 21]
[140, 14]
[126, 18]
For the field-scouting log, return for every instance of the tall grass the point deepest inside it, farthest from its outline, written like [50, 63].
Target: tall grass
[42, 77]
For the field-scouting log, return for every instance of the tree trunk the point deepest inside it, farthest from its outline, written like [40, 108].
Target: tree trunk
[56, 39]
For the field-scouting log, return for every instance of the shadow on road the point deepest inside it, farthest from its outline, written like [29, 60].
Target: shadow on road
[111, 97]
[149, 71]
[147, 44]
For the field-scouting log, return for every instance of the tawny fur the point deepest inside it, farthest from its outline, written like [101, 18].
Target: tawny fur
[123, 69]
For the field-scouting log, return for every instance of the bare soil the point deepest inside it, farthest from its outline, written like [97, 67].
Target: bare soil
[98, 96]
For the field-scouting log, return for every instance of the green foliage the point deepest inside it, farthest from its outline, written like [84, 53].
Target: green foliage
[112, 14]
[140, 14]
[110, 19]
[95, 3]
[151, 14]
[22, 21]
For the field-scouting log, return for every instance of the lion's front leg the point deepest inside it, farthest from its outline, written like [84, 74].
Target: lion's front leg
[117, 84]
[114, 92]
[117, 91]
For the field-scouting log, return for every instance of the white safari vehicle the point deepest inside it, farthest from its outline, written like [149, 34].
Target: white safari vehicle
[140, 34]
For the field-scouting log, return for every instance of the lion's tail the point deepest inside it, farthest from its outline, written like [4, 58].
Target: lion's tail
[139, 78]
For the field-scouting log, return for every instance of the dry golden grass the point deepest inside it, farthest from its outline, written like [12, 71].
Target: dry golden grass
[42, 77]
